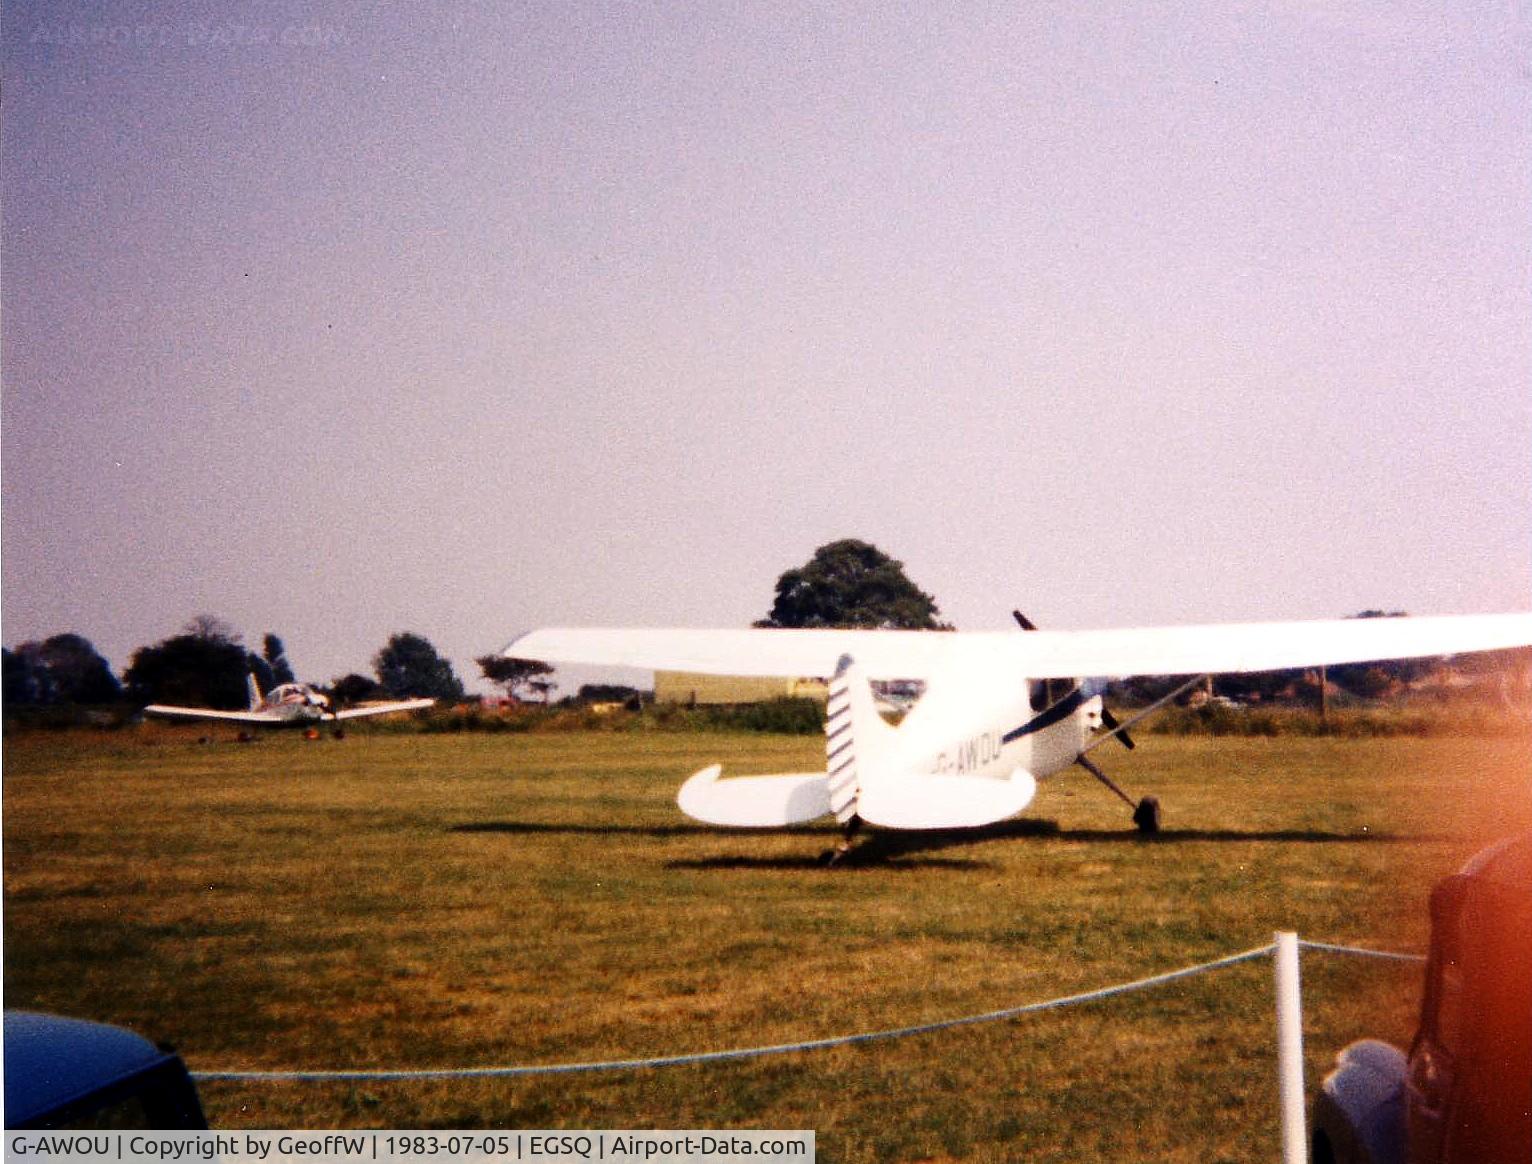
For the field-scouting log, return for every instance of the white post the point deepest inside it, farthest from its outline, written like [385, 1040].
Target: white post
[1290, 1050]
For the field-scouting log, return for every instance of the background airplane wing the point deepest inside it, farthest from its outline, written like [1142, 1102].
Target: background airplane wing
[209, 713]
[1176, 650]
[385, 708]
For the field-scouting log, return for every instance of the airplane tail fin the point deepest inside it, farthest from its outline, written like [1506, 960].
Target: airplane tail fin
[866, 781]
[856, 737]
[254, 689]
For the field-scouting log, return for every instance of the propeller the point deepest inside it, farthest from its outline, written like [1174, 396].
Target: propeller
[1092, 687]
[1114, 724]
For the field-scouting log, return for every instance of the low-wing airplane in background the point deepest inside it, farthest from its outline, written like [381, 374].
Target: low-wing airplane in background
[291, 704]
[1001, 710]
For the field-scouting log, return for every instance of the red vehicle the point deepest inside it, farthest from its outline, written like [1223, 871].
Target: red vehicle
[1463, 1094]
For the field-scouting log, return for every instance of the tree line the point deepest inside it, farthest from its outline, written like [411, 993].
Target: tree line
[206, 665]
[845, 583]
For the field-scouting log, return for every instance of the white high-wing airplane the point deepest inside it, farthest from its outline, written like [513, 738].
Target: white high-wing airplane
[1001, 710]
[290, 704]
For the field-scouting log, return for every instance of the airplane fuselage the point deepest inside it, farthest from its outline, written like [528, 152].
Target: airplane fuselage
[295, 703]
[988, 726]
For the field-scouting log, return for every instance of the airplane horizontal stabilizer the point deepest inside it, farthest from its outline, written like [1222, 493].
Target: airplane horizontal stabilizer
[946, 802]
[754, 801]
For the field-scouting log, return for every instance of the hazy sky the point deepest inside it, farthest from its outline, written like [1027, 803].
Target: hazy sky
[339, 320]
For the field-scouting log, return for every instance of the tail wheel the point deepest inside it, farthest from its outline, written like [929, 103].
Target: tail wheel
[1147, 816]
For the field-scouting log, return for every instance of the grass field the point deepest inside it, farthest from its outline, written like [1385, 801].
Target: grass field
[467, 900]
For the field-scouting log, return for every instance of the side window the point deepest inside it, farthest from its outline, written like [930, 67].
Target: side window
[1044, 693]
[1059, 689]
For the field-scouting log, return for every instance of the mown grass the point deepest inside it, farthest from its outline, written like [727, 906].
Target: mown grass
[398, 900]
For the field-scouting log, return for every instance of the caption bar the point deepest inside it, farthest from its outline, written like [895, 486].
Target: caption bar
[373, 1147]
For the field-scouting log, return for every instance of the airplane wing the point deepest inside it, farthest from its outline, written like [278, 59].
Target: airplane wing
[210, 713]
[883, 654]
[893, 654]
[385, 708]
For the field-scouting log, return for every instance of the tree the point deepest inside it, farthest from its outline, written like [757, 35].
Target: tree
[409, 666]
[354, 688]
[275, 655]
[851, 583]
[23, 684]
[517, 676]
[212, 628]
[190, 670]
[66, 669]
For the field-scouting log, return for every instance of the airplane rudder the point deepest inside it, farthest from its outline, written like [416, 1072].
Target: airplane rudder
[855, 736]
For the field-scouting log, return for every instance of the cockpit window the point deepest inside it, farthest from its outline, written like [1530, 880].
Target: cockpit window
[1044, 693]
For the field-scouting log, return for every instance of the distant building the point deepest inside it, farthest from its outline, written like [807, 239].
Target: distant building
[692, 689]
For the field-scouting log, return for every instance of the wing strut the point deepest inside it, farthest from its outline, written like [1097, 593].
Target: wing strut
[1090, 766]
[1146, 812]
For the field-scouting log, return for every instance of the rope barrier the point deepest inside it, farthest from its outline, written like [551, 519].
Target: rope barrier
[738, 1053]
[785, 1048]
[1357, 951]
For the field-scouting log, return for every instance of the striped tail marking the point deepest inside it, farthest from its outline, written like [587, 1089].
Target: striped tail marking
[840, 745]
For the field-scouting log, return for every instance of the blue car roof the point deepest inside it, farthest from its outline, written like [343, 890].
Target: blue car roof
[51, 1061]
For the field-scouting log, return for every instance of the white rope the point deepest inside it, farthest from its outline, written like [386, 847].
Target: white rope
[1357, 951]
[739, 1053]
[788, 1048]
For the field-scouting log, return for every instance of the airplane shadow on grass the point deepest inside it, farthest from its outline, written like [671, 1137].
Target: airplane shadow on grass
[911, 849]
[872, 849]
